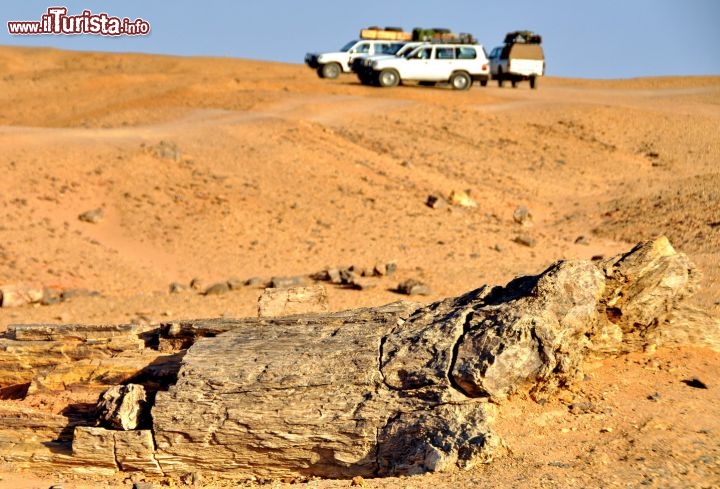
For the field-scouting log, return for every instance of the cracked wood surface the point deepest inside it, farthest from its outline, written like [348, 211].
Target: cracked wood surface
[404, 389]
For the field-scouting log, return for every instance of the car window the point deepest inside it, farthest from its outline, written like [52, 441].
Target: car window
[422, 53]
[363, 47]
[348, 46]
[465, 52]
[407, 51]
[444, 53]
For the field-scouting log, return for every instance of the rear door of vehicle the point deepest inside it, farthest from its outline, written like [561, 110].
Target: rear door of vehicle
[526, 60]
[444, 64]
[471, 59]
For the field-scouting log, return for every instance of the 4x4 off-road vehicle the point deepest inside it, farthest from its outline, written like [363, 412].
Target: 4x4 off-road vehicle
[362, 65]
[457, 64]
[520, 58]
[373, 41]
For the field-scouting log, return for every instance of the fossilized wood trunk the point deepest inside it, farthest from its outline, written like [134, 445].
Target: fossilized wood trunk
[306, 395]
[404, 389]
[398, 389]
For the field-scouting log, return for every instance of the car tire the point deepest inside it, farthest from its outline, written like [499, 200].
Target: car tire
[330, 70]
[460, 81]
[533, 82]
[388, 78]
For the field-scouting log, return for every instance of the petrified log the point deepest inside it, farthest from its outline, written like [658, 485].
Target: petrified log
[403, 389]
[398, 389]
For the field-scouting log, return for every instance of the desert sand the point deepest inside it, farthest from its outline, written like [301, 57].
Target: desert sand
[213, 169]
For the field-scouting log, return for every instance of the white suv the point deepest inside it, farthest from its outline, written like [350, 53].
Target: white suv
[458, 64]
[362, 65]
[331, 65]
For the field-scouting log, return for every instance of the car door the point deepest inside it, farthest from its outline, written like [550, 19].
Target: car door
[360, 49]
[417, 64]
[443, 64]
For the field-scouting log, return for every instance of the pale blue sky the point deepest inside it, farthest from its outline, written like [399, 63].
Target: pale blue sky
[588, 39]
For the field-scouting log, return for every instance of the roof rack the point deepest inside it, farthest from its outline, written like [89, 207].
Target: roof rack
[418, 34]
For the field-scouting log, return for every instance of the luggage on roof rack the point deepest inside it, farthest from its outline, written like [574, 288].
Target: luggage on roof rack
[439, 34]
[434, 34]
[386, 34]
[523, 37]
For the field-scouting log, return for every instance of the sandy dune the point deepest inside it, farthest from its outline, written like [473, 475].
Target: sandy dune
[265, 170]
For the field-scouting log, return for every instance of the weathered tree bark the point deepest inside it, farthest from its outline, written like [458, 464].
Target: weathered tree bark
[404, 389]
[293, 300]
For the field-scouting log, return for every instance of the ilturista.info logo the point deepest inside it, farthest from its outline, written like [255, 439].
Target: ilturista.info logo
[57, 22]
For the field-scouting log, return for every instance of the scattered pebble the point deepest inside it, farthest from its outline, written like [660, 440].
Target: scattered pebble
[217, 289]
[522, 215]
[525, 240]
[582, 240]
[94, 216]
[435, 202]
[413, 287]
[285, 282]
[461, 198]
[583, 408]
[176, 288]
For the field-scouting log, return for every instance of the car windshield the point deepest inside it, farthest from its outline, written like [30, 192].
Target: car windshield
[348, 46]
[412, 53]
[393, 48]
[405, 50]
